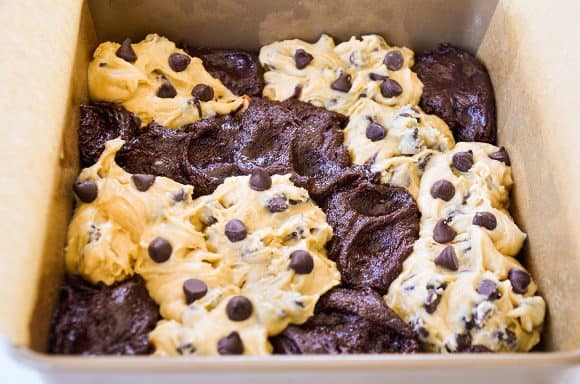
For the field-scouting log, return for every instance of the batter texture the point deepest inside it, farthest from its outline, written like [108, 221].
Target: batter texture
[228, 270]
[158, 82]
[462, 288]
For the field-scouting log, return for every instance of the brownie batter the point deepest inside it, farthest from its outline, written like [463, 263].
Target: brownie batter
[349, 321]
[240, 71]
[375, 227]
[280, 137]
[457, 88]
[98, 320]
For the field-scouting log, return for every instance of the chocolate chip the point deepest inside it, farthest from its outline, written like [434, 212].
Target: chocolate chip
[179, 195]
[489, 289]
[143, 182]
[278, 203]
[194, 289]
[160, 250]
[230, 344]
[377, 77]
[463, 341]
[432, 300]
[202, 92]
[393, 60]
[86, 190]
[260, 180]
[297, 92]
[443, 233]
[423, 332]
[375, 131]
[126, 52]
[520, 280]
[510, 337]
[447, 259]
[301, 262]
[166, 90]
[302, 58]
[485, 219]
[390, 88]
[178, 61]
[342, 83]
[239, 308]
[236, 230]
[463, 161]
[502, 156]
[443, 189]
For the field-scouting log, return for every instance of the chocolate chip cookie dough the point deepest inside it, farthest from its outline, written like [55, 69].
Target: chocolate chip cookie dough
[372, 83]
[228, 270]
[462, 288]
[158, 82]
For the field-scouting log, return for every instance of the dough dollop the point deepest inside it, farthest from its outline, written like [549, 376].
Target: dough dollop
[153, 88]
[462, 288]
[161, 234]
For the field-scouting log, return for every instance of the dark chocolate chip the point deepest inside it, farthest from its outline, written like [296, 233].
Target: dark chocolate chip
[301, 262]
[236, 230]
[463, 161]
[178, 61]
[86, 190]
[393, 60]
[443, 233]
[502, 156]
[342, 83]
[260, 180]
[126, 52]
[278, 203]
[463, 341]
[166, 90]
[102, 65]
[423, 332]
[488, 288]
[375, 131]
[230, 344]
[143, 182]
[377, 77]
[432, 300]
[239, 308]
[160, 250]
[202, 92]
[297, 92]
[485, 219]
[520, 280]
[194, 289]
[390, 88]
[447, 259]
[510, 337]
[179, 195]
[443, 189]
[302, 58]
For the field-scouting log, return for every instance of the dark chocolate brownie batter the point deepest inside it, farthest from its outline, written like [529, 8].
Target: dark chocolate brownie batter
[279, 137]
[101, 122]
[238, 70]
[375, 227]
[348, 321]
[97, 320]
[458, 89]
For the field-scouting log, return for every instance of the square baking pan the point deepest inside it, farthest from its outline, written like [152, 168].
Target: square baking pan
[526, 46]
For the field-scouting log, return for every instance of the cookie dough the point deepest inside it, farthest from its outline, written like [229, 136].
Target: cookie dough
[158, 82]
[228, 270]
[461, 288]
[280, 137]
[375, 227]
[238, 70]
[337, 76]
[376, 134]
[382, 130]
[457, 87]
[98, 320]
[349, 321]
